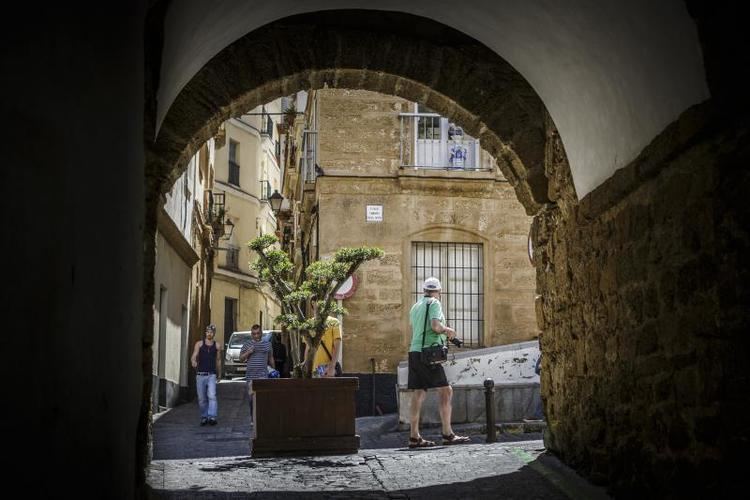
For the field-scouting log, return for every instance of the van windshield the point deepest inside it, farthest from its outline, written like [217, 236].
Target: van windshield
[237, 339]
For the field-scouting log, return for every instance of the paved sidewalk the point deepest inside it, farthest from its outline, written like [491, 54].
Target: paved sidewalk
[214, 462]
[178, 435]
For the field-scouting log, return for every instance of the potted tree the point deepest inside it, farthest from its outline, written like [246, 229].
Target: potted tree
[302, 415]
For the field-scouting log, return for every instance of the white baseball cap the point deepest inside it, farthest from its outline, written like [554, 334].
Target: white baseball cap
[432, 284]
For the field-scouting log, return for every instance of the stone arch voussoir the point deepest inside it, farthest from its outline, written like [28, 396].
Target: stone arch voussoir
[391, 53]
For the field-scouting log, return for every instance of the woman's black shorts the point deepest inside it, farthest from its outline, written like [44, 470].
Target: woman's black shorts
[422, 376]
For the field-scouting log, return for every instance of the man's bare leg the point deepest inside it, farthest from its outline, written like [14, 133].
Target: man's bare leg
[446, 395]
[417, 398]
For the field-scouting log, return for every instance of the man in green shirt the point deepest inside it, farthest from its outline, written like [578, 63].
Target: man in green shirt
[427, 328]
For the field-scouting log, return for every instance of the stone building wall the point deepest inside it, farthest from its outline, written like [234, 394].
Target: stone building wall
[359, 134]
[642, 315]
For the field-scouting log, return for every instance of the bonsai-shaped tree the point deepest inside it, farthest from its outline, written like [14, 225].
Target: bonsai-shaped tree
[316, 286]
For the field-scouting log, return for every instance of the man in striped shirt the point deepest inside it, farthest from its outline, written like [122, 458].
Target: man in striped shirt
[258, 354]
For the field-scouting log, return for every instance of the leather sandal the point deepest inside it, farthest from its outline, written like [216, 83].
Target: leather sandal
[454, 439]
[420, 442]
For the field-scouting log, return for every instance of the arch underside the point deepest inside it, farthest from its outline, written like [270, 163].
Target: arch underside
[420, 61]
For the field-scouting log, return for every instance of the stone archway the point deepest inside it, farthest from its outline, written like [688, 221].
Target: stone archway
[401, 55]
[627, 298]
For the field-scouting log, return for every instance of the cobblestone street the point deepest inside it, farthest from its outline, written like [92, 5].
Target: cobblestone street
[214, 462]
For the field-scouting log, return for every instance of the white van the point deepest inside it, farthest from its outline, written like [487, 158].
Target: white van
[232, 366]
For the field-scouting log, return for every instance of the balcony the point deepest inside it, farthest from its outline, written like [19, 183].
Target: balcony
[265, 190]
[429, 141]
[266, 126]
[309, 156]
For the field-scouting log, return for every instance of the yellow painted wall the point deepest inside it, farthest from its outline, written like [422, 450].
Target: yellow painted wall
[172, 273]
[251, 216]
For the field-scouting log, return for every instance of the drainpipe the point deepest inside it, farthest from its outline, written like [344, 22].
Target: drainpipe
[372, 386]
[317, 232]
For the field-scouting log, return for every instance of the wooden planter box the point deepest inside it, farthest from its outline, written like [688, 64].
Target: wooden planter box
[305, 416]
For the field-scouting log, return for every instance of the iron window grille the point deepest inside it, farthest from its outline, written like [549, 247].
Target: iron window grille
[460, 269]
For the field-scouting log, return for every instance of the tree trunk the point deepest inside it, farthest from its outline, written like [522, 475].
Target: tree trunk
[308, 367]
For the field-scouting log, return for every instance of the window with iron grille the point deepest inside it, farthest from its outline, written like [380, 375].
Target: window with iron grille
[460, 269]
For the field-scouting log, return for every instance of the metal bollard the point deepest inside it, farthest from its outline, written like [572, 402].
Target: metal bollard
[489, 409]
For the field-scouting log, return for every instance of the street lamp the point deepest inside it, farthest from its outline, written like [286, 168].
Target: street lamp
[275, 200]
[228, 228]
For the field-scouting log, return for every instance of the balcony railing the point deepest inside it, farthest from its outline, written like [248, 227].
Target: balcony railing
[266, 126]
[309, 157]
[430, 141]
[265, 190]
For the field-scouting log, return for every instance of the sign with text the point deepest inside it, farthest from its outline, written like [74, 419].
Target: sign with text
[374, 213]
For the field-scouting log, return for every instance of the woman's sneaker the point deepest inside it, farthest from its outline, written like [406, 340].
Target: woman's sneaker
[204, 421]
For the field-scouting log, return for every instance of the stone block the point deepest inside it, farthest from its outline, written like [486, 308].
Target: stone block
[459, 413]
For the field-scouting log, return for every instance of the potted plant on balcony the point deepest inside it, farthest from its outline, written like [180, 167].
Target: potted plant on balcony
[303, 415]
[290, 115]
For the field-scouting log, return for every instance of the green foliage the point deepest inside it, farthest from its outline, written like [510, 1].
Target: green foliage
[321, 281]
[360, 254]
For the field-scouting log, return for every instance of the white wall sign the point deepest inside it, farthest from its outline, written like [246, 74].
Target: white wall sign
[374, 213]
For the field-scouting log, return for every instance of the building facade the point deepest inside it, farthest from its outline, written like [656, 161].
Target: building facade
[185, 241]
[370, 169]
[247, 173]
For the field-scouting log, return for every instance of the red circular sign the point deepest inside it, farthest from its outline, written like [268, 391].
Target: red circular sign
[347, 288]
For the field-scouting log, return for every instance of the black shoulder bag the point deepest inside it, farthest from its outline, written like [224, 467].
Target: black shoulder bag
[436, 354]
[337, 368]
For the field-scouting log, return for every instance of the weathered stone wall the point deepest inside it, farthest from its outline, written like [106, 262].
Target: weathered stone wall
[359, 136]
[644, 316]
[358, 132]
[425, 209]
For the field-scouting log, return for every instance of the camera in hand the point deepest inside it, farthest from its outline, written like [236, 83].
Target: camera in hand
[456, 342]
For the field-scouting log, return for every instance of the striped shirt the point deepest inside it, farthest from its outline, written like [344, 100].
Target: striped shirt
[257, 363]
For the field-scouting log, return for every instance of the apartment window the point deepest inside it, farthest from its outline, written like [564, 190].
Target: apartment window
[459, 267]
[234, 166]
[230, 317]
[233, 258]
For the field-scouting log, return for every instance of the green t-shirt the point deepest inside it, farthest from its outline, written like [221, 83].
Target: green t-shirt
[417, 320]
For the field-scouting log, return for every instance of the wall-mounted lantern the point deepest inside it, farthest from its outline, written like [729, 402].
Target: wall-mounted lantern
[275, 200]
